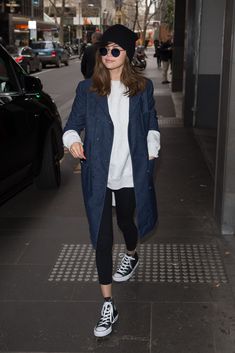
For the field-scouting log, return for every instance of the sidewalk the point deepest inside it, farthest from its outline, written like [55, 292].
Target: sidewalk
[181, 299]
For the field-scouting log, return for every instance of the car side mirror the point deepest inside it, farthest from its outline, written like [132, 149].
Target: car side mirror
[32, 84]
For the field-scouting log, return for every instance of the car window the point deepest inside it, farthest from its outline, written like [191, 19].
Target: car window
[8, 82]
[12, 49]
[42, 45]
[19, 73]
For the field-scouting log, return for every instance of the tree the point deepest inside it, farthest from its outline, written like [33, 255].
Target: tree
[162, 10]
[136, 14]
[151, 8]
[61, 30]
[144, 12]
[59, 12]
[168, 15]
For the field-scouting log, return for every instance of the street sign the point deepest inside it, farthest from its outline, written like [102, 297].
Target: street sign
[32, 24]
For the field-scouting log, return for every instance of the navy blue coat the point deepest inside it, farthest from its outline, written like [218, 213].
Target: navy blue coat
[90, 112]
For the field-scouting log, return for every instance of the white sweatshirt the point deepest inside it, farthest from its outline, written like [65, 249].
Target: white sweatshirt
[120, 168]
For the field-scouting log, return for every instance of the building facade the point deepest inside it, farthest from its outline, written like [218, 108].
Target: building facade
[204, 71]
[14, 21]
[82, 17]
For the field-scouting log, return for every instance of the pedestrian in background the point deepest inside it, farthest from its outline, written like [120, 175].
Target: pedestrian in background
[157, 44]
[117, 110]
[166, 58]
[89, 56]
[82, 47]
[158, 54]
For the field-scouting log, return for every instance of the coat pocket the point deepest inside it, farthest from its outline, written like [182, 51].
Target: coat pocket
[86, 178]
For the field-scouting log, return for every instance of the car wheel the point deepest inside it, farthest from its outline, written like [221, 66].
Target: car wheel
[49, 176]
[58, 62]
[28, 70]
[40, 66]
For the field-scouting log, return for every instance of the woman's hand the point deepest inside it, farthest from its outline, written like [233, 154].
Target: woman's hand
[77, 150]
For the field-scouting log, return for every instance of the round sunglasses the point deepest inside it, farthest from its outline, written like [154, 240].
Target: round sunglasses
[115, 52]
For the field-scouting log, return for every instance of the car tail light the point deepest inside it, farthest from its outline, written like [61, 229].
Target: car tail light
[19, 59]
[53, 53]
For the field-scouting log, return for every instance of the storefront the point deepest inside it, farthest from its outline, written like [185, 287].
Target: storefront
[15, 30]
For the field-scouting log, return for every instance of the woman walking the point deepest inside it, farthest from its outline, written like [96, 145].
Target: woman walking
[116, 110]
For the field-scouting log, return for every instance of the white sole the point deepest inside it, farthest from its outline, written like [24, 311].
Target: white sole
[107, 332]
[123, 279]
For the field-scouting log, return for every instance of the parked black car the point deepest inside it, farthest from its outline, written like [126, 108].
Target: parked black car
[51, 53]
[30, 131]
[26, 57]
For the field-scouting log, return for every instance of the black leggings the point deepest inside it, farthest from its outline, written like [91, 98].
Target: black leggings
[125, 208]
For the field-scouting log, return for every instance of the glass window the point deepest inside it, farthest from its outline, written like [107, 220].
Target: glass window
[7, 80]
[42, 45]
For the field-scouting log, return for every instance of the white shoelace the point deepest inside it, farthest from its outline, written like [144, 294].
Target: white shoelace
[125, 264]
[106, 314]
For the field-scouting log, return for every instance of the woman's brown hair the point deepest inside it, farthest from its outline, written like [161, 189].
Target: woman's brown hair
[130, 77]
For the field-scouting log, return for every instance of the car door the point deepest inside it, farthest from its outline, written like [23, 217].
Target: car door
[18, 124]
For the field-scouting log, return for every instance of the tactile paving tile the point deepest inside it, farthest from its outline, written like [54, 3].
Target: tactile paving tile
[170, 122]
[163, 263]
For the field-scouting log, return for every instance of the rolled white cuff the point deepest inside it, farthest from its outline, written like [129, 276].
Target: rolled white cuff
[153, 140]
[70, 137]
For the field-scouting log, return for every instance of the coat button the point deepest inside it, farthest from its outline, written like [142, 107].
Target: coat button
[97, 139]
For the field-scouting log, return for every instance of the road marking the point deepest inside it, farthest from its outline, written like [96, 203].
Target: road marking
[53, 68]
[41, 72]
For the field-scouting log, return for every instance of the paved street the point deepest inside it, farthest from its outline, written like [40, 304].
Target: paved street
[181, 299]
[61, 84]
